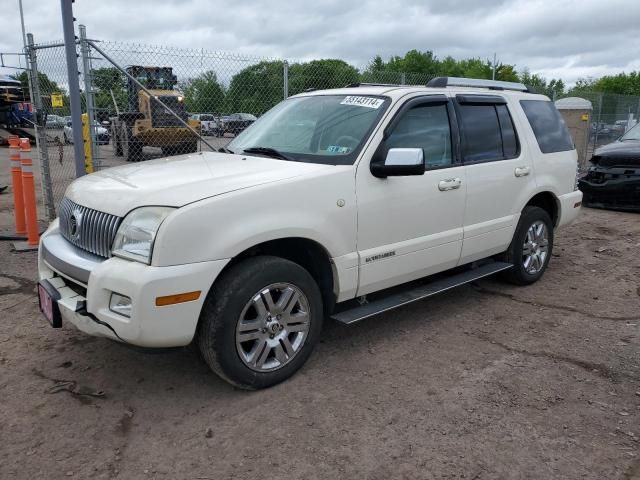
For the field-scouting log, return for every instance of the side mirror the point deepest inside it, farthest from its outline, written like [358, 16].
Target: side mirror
[400, 162]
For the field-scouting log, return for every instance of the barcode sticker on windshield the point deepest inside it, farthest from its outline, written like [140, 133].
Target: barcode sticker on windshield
[368, 102]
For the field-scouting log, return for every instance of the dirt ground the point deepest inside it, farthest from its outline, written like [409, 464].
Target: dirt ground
[488, 381]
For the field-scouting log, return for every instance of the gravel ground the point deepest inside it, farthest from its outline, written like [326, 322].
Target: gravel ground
[488, 381]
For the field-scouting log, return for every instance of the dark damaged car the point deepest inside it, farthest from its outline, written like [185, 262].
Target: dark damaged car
[613, 180]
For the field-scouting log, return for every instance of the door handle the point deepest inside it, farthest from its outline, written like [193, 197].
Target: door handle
[522, 171]
[449, 184]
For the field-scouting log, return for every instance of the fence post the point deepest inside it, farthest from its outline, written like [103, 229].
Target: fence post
[88, 93]
[41, 136]
[595, 137]
[285, 79]
[74, 83]
[403, 78]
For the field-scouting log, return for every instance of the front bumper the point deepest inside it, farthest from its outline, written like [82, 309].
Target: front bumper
[614, 188]
[85, 283]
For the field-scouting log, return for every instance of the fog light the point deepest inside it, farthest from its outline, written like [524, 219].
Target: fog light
[120, 304]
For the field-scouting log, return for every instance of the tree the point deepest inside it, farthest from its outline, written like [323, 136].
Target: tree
[553, 89]
[105, 81]
[321, 74]
[255, 89]
[203, 93]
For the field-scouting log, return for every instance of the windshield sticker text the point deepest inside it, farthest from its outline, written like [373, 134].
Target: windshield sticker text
[338, 149]
[368, 102]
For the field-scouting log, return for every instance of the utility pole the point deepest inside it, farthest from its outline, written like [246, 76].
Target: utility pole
[494, 66]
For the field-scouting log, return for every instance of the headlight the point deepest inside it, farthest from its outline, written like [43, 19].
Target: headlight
[134, 239]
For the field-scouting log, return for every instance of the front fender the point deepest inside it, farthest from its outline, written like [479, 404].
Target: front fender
[223, 226]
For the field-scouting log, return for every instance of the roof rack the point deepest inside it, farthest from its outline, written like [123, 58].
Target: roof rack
[358, 84]
[442, 82]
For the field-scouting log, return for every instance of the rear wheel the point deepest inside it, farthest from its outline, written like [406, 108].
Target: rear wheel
[260, 322]
[530, 249]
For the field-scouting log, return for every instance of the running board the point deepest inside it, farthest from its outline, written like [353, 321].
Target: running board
[399, 299]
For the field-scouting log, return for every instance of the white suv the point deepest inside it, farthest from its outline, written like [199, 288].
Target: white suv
[316, 210]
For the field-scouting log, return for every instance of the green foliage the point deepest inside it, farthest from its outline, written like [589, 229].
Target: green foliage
[321, 74]
[553, 89]
[203, 93]
[105, 81]
[256, 88]
[621, 84]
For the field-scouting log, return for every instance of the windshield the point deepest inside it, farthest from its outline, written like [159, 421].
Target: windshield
[327, 129]
[632, 134]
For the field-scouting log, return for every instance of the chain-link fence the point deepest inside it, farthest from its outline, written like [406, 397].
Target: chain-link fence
[598, 119]
[144, 102]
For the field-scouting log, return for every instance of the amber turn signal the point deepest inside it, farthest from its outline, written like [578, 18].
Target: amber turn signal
[177, 298]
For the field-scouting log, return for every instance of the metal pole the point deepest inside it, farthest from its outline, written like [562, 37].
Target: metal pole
[403, 78]
[24, 37]
[74, 84]
[41, 137]
[88, 91]
[285, 79]
[146, 90]
[494, 66]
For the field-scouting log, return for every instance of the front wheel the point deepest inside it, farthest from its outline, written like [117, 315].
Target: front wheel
[260, 322]
[530, 249]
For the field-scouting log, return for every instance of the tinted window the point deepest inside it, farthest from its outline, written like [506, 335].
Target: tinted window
[509, 139]
[425, 127]
[548, 126]
[481, 132]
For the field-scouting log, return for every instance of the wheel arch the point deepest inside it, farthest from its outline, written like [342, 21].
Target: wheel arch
[307, 253]
[548, 202]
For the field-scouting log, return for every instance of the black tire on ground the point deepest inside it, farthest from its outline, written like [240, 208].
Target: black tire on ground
[131, 146]
[116, 141]
[223, 307]
[519, 275]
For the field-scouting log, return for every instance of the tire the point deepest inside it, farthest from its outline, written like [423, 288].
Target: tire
[116, 143]
[529, 268]
[131, 146]
[231, 302]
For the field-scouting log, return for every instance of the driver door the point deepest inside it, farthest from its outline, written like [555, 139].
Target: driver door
[412, 226]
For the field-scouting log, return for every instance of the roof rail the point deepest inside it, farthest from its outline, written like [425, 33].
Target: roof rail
[358, 84]
[442, 82]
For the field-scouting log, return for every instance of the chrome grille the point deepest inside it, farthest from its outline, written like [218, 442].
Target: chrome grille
[88, 229]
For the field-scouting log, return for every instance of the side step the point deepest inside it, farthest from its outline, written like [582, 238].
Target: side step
[398, 299]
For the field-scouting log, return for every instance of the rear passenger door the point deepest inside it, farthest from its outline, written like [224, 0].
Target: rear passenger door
[499, 174]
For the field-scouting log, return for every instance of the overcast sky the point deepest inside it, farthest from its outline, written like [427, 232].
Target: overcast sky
[556, 38]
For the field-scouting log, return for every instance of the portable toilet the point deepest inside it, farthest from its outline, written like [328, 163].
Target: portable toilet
[576, 112]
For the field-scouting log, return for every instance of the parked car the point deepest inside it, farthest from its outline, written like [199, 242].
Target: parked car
[613, 180]
[339, 203]
[101, 133]
[55, 122]
[209, 124]
[618, 128]
[237, 122]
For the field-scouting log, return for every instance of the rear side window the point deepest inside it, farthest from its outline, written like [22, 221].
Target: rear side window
[548, 126]
[488, 132]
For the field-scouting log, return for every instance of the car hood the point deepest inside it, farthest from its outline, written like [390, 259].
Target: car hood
[177, 181]
[618, 153]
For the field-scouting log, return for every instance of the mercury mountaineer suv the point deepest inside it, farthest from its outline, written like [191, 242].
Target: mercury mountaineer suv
[316, 210]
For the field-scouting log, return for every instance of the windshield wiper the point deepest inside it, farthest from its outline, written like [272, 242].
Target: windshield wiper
[269, 152]
[225, 150]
